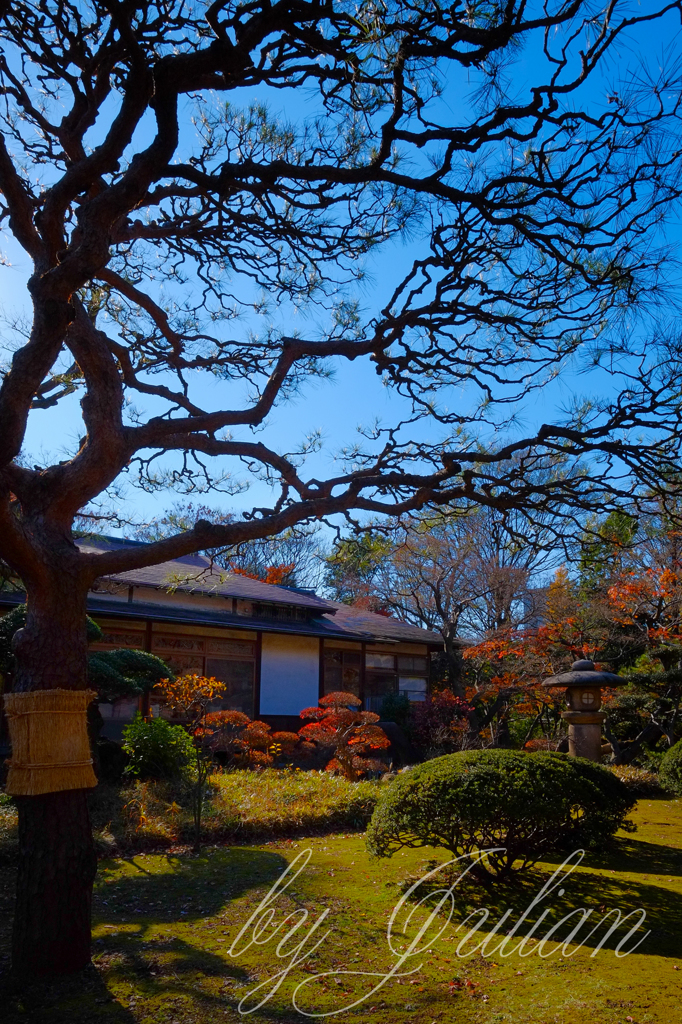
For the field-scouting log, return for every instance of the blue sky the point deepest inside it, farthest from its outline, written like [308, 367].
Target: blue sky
[356, 395]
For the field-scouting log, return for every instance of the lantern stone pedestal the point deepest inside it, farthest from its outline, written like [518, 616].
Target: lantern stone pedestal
[583, 692]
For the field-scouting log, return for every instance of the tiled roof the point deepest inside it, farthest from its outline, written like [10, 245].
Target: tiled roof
[319, 626]
[193, 574]
[347, 624]
[380, 627]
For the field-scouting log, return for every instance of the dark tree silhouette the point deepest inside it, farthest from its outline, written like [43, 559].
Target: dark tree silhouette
[155, 212]
[294, 557]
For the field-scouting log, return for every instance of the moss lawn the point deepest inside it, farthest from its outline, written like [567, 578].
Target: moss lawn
[165, 923]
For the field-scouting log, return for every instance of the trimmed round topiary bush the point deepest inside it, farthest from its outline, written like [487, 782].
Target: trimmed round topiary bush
[530, 804]
[670, 772]
[156, 749]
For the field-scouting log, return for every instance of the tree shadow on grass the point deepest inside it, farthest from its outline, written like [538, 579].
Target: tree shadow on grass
[186, 887]
[166, 931]
[635, 856]
[81, 998]
[136, 956]
[584, 889]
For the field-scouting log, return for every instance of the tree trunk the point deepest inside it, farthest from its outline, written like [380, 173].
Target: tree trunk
[57, 866]
[649, 734]
[453, 653]
[57, 861]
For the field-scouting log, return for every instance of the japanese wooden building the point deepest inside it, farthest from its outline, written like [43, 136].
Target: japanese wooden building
[277, 649]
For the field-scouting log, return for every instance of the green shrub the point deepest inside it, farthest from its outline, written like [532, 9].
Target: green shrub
[670, 772]
[650, 758]
[157, 749]
[395, 707]
[529, 804]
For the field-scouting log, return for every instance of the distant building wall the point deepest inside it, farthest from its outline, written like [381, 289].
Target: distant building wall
[534, 607]
[290, 674]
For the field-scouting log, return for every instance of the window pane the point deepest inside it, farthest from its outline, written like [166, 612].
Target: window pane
[332, 678]
[378, 684]
[350, 679]
[238, 676]
[412, 663]
[385, 661]
[414, 686]
[184, 664]
[342, 670]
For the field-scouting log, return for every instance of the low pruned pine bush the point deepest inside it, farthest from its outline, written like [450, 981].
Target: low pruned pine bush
[528, 804]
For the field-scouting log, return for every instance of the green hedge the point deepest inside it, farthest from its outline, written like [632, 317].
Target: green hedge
[529, 804]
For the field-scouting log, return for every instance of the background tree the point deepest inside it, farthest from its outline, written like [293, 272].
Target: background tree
[294, 558]
[161, 219]
[463, 572]
[630, 569]
[356, 568]
[632, 624]
[438, 724]
[604, 550]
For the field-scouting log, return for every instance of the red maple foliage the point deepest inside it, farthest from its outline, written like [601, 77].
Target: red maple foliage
[640, 611]
[275, 574]
[651, 602]
[339, 724]
[514, 662]
[439, 721]
[370, 603]
[242, 742]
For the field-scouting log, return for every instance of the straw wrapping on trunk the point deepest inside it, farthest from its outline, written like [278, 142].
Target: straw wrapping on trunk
[50, 744]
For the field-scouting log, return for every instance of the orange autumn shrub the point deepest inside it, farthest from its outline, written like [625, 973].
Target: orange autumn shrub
[540, 744]
[352, 734]
[240, 742]
[190, 695]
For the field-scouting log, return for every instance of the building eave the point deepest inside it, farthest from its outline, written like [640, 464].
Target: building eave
[322, 627]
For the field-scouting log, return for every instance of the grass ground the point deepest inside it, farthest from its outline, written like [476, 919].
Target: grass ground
[243, 806]
[164, 927]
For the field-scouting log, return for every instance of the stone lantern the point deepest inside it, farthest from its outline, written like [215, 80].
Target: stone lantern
[583, 692]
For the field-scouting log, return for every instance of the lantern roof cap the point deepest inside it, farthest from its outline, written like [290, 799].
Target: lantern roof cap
[583, 673]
